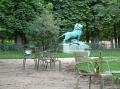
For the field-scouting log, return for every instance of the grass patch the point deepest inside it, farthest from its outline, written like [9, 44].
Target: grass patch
[11, 54]
[106, 66]
[105, 52]
[63, 55]
[94, 53]
[20, 54]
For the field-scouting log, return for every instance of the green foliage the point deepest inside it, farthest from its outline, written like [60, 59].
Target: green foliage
[97, 16]
[111, 17]
[50, 6]
[79, 11]
[101, 18]
[16, 15]
[44, 31]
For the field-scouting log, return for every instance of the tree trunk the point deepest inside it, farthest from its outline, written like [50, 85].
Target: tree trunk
[87, 37]
[115, 35]
[118, 35]
[95, 42]
[24, 39]
[43, 45]
[118, 41]
[20, 38]
[87, 33]
[112, 45]
[96, 31]
[2, 41]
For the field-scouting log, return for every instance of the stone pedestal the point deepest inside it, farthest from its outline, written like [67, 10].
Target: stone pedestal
[66, 48]
[69, 48]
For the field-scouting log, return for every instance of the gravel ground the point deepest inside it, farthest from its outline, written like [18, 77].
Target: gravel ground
[13, 76]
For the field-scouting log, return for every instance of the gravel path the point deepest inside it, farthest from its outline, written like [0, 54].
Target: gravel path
[12, 76]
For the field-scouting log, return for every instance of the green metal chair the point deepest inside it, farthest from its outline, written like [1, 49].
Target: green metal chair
[87, 70]
[28, 54]
[108, 71]
[46, 59]
[81, 59]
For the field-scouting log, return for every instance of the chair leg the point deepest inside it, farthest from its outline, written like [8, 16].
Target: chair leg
[102, 83]
[77, 83]
[89, 82]
[59, 65]
[112, 82]
[46, 65]
[51, 65]
[35, 60]
[75, 68]
[38, 64]
[24, 62]
[54, 65]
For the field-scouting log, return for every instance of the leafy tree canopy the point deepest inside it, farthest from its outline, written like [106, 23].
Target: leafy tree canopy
[44, 31]
[15, 15]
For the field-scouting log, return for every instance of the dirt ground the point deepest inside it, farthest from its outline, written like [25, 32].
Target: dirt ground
[13, 76]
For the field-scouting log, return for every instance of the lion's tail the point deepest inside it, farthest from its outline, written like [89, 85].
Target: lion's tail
[61, 36]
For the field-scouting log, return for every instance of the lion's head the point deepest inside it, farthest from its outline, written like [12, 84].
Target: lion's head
[78, 26]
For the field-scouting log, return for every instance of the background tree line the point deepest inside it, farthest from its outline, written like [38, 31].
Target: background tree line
[41, 22]
[101, 18]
